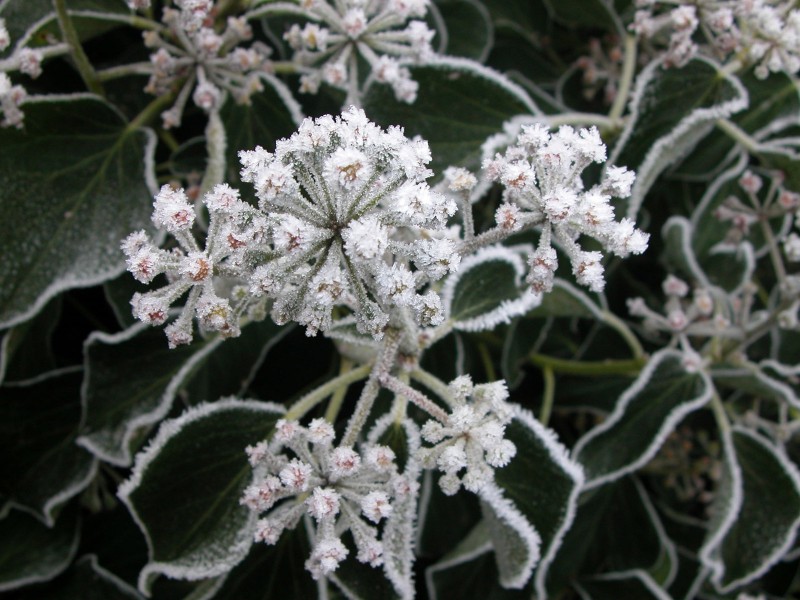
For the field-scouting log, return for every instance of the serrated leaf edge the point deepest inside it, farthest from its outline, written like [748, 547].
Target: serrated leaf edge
[165, 433]
[667, 425]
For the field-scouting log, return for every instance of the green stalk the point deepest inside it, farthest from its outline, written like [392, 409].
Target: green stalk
[589, 368]
[300, 408]
[82, 63]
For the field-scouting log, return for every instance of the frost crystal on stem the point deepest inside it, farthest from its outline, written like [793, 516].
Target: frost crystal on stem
[541, 174]
[301, 472]
[353, 31]
[472, 438]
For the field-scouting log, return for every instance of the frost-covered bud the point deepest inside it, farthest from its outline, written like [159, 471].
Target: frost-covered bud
[263, 495]
[396, 283]
[791, 247]
[588, 270]
[323, 502]
[172, 210]
[320, 432]
[380, 458]
[677, 320]
[673, 286]
[326, 556]
[543, 263]
[375, 506]
[5, 38]
[30, 62]
[296, 475]
[223, 198]
[286, 430]
[459, 179]
[207, 96]
[750, 182]
[344, 462]
[149, 308]
[452, 459]
[179, 333]
[366, 238]
[267, 531]
[508, 216]
[428, 310]
[619, 181]
[703, 301]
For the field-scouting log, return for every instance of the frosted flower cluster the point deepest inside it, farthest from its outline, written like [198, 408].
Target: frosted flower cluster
[233, 227]
[601, 68]
[352, 223]
[344, 218]
[541, 175]
[344, 33]
[205, 64]
[300, 472]
[473, 437]
[761, 32]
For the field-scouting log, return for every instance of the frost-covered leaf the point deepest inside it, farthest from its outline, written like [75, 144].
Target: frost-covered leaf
[485, 100]
[672, 110]
[42, 467]
[543, 483]
[772, 101]
[769, 380]
[762, 516]
[185, 489]
[31, 552]
[616, 529]
[132, 378]
[727, 267]
[26, 350]
[469, 28]
[87, 181]
[663, 394]
[487, 290]
[359, 581]
[626, 584]
[469, 571]
[269, 572]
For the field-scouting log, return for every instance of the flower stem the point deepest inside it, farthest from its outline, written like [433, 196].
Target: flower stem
[737, 134]
[626, 79]
[82, 63]
[335, 405]
[300, 408]
[589, 368]
[630, 338]
[548, 395]
[434, 384]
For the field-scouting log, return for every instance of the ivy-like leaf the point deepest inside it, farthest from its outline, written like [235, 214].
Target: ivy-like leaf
[672, 110]
[31, 552]
[42, 467]
[663, 394]
[185, 489]
[132, 378]
[543, 483]
[469, 571]
[626, 584]
[77, 180]
[485, 100]
[469, 28]
[487, 290]
[762, 524]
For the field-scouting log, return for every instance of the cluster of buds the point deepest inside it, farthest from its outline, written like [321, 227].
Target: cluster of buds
[204, 64]
[350, 213]
[472, 437]
[766, 33]
[300, 472]
[345, 32]
[27, 61]
[233, 227]
[602, 68]
[345, 218]
[541, 174]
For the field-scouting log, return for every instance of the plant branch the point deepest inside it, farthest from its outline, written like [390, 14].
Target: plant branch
[70, 36]
[300, 408]
[626, 79]
[589, 368]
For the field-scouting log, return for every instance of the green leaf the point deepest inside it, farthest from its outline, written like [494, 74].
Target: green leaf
[42, 467]
[616, 529]
[469, 28]
[768, 380]
[469, 571]
[185, 489]
[270, 572]
[765, 520]
[31, 552]
[586, 13]
[773, 100]
[132, 378]
[626, 584]
[543, 483]
[487, 290]
[76, 181]
[663, 394]
[86, 580]
[26, 350]
[443, 519]
[672, 110]
[485, 100]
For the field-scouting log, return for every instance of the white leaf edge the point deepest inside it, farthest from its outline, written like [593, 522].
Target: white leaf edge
[781, 390]
[643, 576]
[487, 19]
[72, 281]
[401, 525]
[667, 545]
[123, 586]
[505, 511]
[664, 430]
[508, 309]
[559, 454]
[56, 570]
[75, 487]
[744, 250]
[718, 568]
[92, 441]
[285, 95]
[684, 136]
[168, 430]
